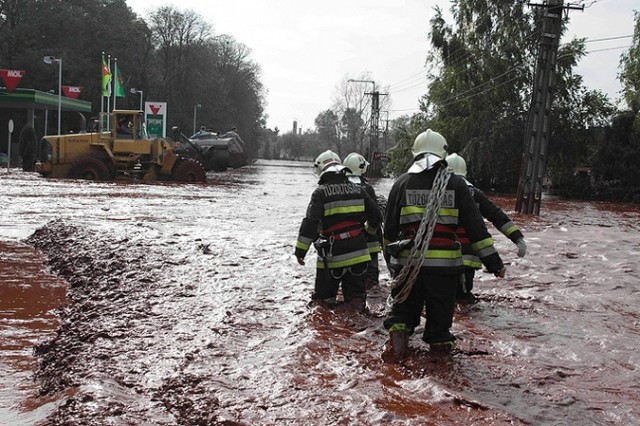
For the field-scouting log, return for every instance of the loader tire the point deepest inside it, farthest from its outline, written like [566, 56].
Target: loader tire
[89, 167]
[188, 170]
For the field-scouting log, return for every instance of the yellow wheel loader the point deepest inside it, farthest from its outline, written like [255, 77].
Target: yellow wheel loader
[117, 148]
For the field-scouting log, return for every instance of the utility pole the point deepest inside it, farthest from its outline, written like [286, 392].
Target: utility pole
[373, 126]
[374, 131]
[532, 170]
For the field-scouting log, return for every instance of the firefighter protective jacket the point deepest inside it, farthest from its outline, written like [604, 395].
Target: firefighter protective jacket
[373, 240]
[406, 206]
[336, 212]
[493, 214]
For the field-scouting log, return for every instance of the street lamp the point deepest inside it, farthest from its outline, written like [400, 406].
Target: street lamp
[50, 60]
[195, 110]
[363, 81]
[141, 92]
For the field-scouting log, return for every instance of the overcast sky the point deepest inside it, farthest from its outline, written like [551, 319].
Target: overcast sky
[305, 50]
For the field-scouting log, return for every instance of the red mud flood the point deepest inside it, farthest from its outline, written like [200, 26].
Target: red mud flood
[28, 297]
[185, 306]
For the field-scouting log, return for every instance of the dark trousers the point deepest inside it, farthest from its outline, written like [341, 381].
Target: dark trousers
[352, 279]
[434, 292]
[373, 272]
[465, 285]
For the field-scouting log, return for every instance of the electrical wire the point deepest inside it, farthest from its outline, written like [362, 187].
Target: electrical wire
[412, 82]
[607, 38]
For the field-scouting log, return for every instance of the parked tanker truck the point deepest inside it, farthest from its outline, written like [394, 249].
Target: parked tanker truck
[119, 147]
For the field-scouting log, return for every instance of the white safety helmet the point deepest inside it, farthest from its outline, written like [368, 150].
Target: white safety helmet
[457, 165]
[356, 163]
[430, 142]
[326, 162]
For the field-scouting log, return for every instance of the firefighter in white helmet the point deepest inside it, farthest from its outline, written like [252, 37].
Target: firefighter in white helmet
[334, 225]
[357, 166]
[434, 290]
[493, 214]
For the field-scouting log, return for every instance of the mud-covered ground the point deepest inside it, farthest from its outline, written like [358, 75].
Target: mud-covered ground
[185, 306]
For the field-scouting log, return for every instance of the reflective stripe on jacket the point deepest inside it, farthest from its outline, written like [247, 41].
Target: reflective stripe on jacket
[406, 206]
[337, 208]
[373, 240]
[493, 214]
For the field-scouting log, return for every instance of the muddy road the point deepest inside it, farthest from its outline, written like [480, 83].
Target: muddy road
[171, 304]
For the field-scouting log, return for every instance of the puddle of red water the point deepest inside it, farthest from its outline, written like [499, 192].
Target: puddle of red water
[28, 295]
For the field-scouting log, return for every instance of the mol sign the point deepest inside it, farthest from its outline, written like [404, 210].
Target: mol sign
[72, 91]
[11, 78]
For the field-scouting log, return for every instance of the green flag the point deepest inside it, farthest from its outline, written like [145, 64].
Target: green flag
[119, 84]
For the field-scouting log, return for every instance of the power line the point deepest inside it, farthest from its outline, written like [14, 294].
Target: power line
[404, 89]
[416, 80]
[412, 81]
[470, 57]
[403, 110]
[457, 98]
[586, 6]
[610, 48]
[418, 74]
[607, 38]
[467, 56]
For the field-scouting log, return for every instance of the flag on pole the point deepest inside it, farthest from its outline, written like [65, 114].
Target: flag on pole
[106, 79]
[119, 83]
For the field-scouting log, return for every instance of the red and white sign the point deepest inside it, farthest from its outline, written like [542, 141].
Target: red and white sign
[380, 156]
[72, 91]
[156, 108]
[155, 115]
[11, 78]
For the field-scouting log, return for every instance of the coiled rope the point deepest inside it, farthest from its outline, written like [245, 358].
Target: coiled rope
[409, 273]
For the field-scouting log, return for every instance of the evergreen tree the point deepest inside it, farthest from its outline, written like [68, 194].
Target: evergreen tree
[482, 69]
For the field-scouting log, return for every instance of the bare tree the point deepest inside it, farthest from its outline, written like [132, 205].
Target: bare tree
[352, 104]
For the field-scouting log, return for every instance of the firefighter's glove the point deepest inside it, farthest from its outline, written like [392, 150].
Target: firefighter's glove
[395, 248]
[370, 230]
[522, 247]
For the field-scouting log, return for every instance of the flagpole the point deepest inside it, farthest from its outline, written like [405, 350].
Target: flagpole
[101, 86]
[109, 91]
[115, 74]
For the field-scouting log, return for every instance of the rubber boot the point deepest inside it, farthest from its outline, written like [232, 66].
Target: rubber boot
[357, 304]
[399, 343]
[442, 347]
[329, 302]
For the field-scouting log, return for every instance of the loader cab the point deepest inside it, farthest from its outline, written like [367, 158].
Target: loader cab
[126, 132]
[123, 124]
[127, 124]
[124, 127]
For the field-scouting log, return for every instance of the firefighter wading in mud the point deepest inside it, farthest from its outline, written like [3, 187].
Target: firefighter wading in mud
[334, 224]
[357, 166]
[493, 214]
[440, 270]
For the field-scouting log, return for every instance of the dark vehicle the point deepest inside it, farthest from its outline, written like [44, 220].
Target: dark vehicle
[216, 152]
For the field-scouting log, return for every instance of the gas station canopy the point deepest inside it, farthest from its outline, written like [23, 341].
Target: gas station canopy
[34, 99]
